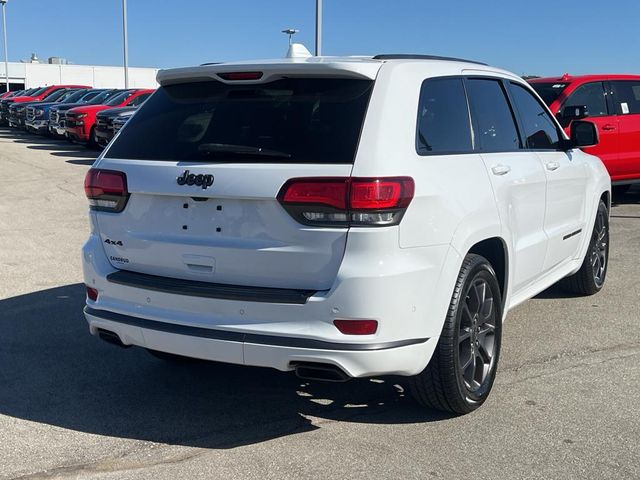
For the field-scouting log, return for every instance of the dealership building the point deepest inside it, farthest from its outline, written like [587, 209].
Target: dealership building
[30, 75]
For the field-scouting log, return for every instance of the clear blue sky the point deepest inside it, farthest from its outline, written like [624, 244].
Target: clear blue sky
[543, 37]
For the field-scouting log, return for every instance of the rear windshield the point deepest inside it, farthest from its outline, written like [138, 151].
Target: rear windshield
[549, 91]
[293, 120]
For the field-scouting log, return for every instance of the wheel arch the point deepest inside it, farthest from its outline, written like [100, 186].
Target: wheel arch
[606, 198]
[494, 249]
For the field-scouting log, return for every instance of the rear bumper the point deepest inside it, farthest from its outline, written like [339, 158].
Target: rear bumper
[279, 352]
[407, 297]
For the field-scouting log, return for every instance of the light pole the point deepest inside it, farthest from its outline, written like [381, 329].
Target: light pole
[126, 43]
[6, 54]
[318, 28]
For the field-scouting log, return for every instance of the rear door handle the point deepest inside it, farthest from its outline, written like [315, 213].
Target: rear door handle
[553, 166]
[500, 169]
[608, 127]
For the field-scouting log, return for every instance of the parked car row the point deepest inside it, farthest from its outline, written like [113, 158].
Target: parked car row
[77, 112]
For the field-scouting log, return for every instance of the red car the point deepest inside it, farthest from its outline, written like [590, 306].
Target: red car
[43, 92]
[80, 121]
[612, 102]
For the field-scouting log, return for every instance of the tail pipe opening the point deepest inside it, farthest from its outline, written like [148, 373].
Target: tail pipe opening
[320, 371]
[111, 337]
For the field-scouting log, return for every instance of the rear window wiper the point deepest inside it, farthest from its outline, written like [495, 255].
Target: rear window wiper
[228, 148]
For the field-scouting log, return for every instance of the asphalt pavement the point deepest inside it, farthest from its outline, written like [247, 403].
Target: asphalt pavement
[566, 403]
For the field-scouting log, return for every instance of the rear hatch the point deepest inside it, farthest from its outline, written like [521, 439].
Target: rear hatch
[204, 161]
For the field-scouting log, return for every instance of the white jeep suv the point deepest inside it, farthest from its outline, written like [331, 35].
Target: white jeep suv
[341, 217]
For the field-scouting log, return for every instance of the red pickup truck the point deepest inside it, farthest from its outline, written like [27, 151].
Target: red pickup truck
[80, 121]
[612, 103]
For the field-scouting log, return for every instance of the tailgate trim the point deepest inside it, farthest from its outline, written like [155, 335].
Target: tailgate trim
[240, 337]
[194, 288]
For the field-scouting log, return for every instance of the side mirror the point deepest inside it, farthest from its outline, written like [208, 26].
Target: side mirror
[583, 134]
[574, 112]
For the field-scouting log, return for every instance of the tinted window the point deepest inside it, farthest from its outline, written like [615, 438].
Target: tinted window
[495, 129]
[443, 117]
[293, 120]
[549, 91]
[627, 96]
[139, 100]
[37, 91]
[55, 95]
[118, 99]
[74, 96]
[90, 95]
[540, 131]
[590, 95]
[103, 97]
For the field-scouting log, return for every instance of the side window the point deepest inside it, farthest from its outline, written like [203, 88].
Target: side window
[627, 95]
[139, 100]
[540, 131]
[495, 128]
[592, 96]
[443, 118]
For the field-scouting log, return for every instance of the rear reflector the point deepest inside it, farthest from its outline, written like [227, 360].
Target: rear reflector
[240, 75]
[92, 294]
[347, 201]
[106, 190]
[356, 327]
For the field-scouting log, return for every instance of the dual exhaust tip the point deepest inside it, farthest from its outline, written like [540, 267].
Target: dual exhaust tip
[305, 370]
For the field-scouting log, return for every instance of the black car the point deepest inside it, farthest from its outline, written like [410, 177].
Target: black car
[104, 131]
[6, 102]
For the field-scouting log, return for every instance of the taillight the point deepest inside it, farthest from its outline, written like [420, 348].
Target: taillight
[106, 190]
[240, 75]
[356, 327]
[347, 201]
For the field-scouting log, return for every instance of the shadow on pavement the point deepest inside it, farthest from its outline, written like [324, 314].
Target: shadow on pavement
[54, 372]
[82, 160]
[65, 149]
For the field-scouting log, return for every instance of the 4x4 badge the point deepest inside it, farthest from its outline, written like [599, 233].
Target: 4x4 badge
[202, 180]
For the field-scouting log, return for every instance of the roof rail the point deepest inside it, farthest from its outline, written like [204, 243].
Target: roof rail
[409, 56]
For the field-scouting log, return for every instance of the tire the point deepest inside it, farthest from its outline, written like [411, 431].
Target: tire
[472, 331]
[593, 272]
[93, 141]
[170, 357]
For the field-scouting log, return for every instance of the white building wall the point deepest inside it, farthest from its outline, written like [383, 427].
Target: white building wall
[16, 73]
[43, 74]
